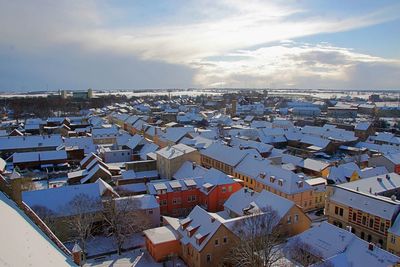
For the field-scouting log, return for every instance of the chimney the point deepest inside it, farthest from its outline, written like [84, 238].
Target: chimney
[194, 165]
[371, 246]
[77, 254]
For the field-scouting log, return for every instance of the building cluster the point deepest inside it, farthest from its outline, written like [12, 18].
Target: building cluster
[194, 171]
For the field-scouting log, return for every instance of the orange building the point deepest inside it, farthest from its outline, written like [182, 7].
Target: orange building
[179, 197]
[162, 242]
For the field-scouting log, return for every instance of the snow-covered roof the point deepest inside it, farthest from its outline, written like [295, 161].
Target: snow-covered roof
[131, 174]
[362, 126]
[202, 225]
[104, 132]
[26, 142]
[24, 244]
[228, 155]
[189, 170]
[90, 174]
[393, 157]
[134, 141]
[161, 234]
[175, 134]
[197, 142]
[376, 184]
[57, 199]
[388, 138]
[339, 248]
[380, 206]
[314, 165]
[270, 175]
[144, 201]
[246, 199]
[174, 151]
[39, 156]
[210, 178]
[147, 149]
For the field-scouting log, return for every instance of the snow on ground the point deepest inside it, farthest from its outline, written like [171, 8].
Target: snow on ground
[316, 218]
[102, 244]
[135, 258]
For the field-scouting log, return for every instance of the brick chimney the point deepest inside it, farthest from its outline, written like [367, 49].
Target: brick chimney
[77, 254]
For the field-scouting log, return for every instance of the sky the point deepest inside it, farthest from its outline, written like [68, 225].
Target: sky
[138, 44]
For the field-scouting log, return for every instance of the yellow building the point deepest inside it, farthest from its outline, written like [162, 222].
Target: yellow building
[367, 207]
[393, 240]
[171, 158]
[225, 158]
[258, 174]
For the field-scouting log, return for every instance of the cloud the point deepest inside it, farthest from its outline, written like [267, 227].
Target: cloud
[186, 39]
[299, 66]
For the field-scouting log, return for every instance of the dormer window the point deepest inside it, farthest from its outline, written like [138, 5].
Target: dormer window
[300, 184]
[280, 182]
[272, 179]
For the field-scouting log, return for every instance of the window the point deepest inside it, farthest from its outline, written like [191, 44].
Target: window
[393, 239]
[362, 235]
[230, 188]
[382, 227]
[216, 242]
[208, 258]
[369, 239]
[296, 218]
[364, 220]
[336, 210]
[225, 240]
[371, 222]
[223, 189]
[289, 219]
[354, 216]
[340, 211]
[150, 211]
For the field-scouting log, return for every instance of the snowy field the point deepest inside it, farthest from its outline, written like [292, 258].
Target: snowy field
[322, 94]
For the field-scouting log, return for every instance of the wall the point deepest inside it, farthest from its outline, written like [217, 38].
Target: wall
[117, 156]
[160, 252]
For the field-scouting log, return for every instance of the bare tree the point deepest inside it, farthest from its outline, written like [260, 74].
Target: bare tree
[303, 254]
[124, 218]
[259, 240]
[83, 212]
[46, 214]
